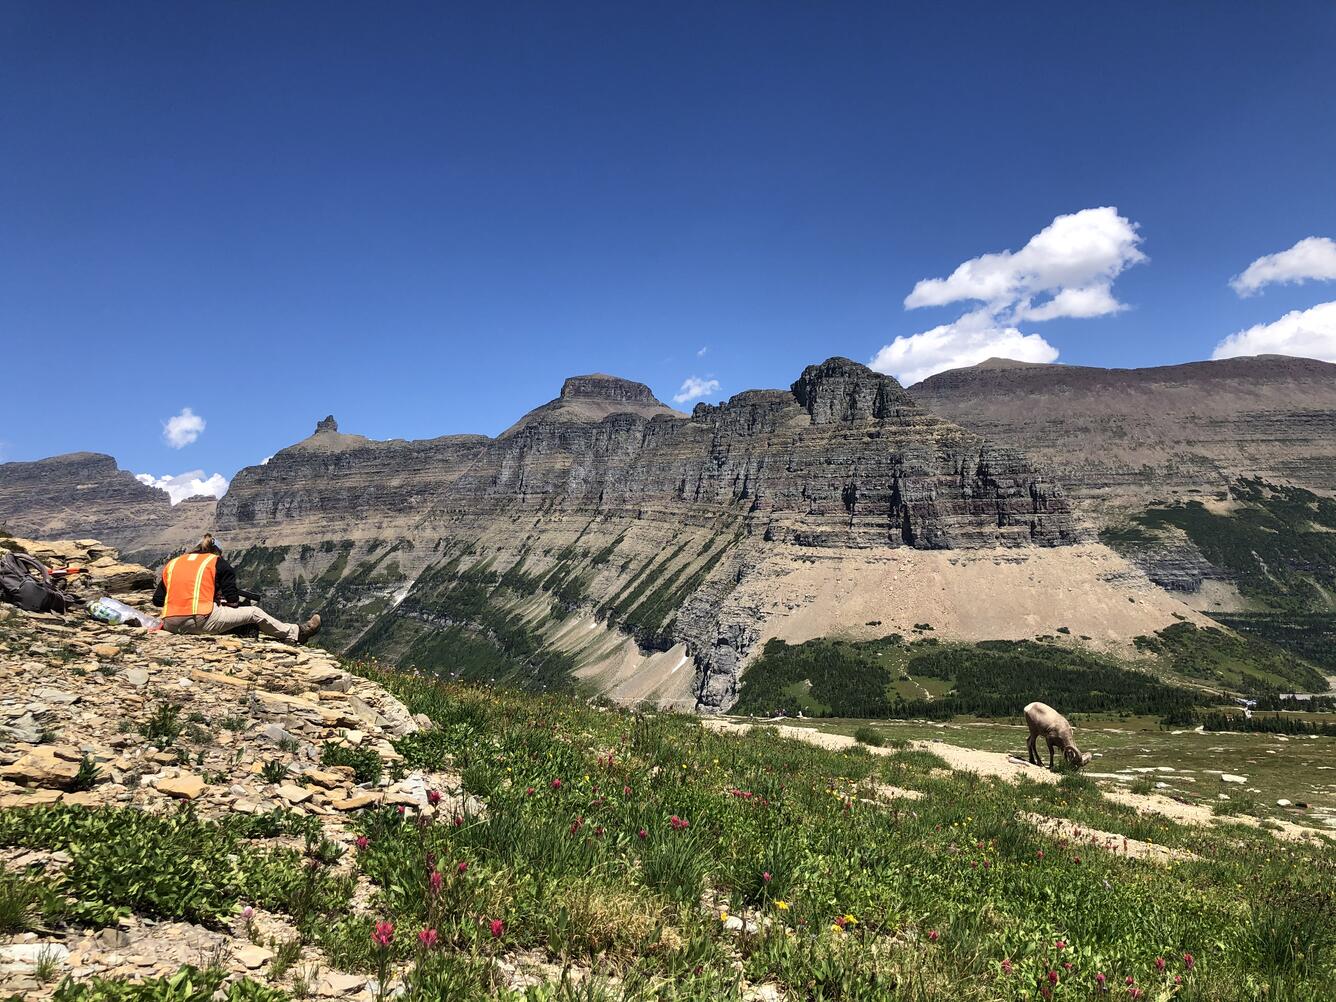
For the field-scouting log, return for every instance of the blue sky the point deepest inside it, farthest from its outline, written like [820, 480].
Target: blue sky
[421, 218]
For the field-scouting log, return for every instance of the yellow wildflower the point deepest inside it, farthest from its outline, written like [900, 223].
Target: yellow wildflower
[782, 905]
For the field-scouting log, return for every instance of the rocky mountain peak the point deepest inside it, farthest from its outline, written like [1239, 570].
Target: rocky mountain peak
[840, 389]
[598, 386]
[328, 424]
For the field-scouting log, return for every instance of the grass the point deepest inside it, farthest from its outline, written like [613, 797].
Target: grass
[668, 862]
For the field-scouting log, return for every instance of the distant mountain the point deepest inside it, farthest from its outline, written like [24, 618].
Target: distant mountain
[1120, 438]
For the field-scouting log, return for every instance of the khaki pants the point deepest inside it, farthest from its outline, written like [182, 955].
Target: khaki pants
[225, 619]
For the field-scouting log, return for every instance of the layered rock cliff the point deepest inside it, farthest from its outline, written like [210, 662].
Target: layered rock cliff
[649, 552]
[86, 495]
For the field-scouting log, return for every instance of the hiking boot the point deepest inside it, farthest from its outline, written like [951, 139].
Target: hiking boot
[308, 629]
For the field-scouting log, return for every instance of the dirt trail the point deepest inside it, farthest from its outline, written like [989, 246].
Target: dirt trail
[1011, 769]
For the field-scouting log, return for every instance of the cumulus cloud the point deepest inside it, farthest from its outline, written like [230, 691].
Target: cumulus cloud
[190, 484]
[967, 341]
[701, 353]
[693, 388]
[182, 429]
[1308, 333]
[1310, 258]
[1067, 269]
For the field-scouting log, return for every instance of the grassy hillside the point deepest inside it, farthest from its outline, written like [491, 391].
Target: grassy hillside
[648, 859]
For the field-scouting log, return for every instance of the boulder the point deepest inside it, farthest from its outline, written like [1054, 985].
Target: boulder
[49, 766]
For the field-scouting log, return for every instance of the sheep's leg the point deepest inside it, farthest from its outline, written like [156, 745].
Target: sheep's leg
[1050, 755]
[1030, 746]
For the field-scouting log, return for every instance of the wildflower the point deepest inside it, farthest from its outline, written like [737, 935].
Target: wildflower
[782, 905]
[598, 832]
[1006, 965]
[642, 834]
[1076, 859]
[434, 882]
[462, 868]
[383, 934]
[1178, 979]
[766, 876]
[401, 810]
[556, 784]
[1061, 944]
[1129, 980]
[1134, 993]
[626, 791]
[362, 842]
[1067, 966]
[427, 938]
[457, 821]
[247, 913]
[723, 915]
[1040, 854]
[1189, 960]
[529, 792]
[933, 935]
[577, 824]
[1052, 977]
[1159, 964]
[1100, 980]
[433, 797]
[498, 928]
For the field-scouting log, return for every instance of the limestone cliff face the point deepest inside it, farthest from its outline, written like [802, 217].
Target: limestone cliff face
[647, 518]
[85, 494]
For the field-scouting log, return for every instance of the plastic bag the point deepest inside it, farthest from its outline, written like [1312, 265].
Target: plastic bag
[111, 611]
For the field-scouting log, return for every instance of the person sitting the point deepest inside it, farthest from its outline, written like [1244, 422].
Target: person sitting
[198, 594]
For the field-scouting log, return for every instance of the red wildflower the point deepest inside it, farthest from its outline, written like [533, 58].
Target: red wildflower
[433, 797]
[1040, 854]
[642, 834]
[1061, 944]
[401, 809]
[427, 938]
[434, 882]
[1100, 979]
[626, 791]
[383, 934]
[556, 784]
[766, 876]
[1052, 977]
[362, 842]
[933, 935]
[529, 792]
[1159, 964]
[1189, 960]
[498, 928]
[1006, 965]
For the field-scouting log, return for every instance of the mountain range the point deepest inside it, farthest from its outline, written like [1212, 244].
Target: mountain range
[652, 554]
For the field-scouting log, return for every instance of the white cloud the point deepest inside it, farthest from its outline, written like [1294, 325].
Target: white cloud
[968, 341]
[701, 353]
[1073, 259]
[1308, 333]
[693, 388]
[265, 460]
[184, 428]
[186, 485]
[1310, 258]
[1067, 269]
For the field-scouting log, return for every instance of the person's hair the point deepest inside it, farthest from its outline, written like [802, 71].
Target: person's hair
[207, 545]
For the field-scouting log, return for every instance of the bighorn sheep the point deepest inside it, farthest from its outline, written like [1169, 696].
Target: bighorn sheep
[1053, 727]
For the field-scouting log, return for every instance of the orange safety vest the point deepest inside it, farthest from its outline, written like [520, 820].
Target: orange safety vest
[188, 581]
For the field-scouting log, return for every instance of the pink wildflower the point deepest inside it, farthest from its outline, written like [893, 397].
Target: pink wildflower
[434, 882]
[933, 935]
[1189, 960]
[462, 868]
[427, 938]
[1052, 977]
[1061, 944]
[1159, 964]
[556, 784]
[362, 842]
[642, 834]
[433, 797]
[766, 876]
[498, 928]
[1006, 965]
[1100, 980]
[383, 934]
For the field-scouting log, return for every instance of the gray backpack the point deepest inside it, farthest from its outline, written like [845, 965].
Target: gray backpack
[26, 582]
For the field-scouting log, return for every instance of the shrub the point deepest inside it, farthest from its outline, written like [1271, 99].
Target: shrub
[869, 736]
[364, 762]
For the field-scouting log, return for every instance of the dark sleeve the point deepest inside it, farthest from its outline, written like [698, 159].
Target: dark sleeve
[225, 582]
[160, 592]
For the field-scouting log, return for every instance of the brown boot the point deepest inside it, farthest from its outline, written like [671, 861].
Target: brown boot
[308, 629]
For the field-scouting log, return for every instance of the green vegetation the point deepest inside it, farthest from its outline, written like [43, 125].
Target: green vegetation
[1240, 662]
[189, 984]
[991, 678]
[669, 863]
[364, 762]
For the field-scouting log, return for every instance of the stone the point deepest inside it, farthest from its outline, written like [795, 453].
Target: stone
[106, 651]
[294, 794]
[337, 985]
[252, 957]
[187, 786]
[356, 802]
[138, 677]
[1282, 802]
[1226, 777]
[51, 766]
